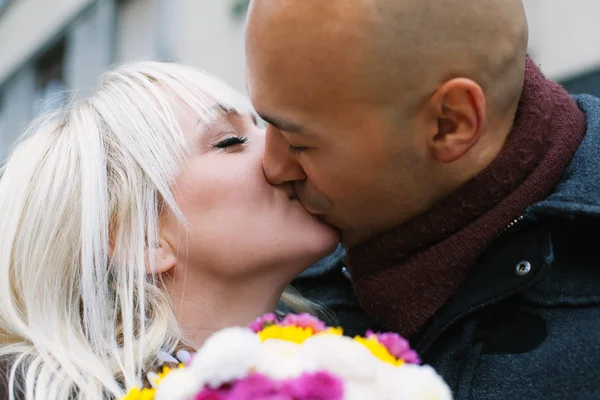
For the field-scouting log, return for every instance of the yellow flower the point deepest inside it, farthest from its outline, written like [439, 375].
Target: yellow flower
[162, 374]
[148, 394]
[292, 334]
[333, 331]
[379, 350]
[137, 394]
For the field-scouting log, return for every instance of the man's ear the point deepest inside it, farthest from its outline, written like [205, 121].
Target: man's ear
[165, 258]
[460, 110]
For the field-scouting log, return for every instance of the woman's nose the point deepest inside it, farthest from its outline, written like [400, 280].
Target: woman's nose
[279, 164]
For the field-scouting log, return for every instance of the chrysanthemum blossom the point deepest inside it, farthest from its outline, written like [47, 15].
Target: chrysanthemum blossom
[226, 356]
[261, 322]
[340, 355]
[279, 360]
[178, 384]
[315, 386]
[397, 346]
[304, 321]
[415, 382]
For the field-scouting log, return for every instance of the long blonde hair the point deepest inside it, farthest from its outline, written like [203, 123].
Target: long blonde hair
[79, 204]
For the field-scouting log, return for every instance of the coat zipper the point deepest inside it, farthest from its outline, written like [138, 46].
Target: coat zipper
[512, 224]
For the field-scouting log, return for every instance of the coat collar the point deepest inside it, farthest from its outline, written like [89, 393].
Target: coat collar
[578, 192]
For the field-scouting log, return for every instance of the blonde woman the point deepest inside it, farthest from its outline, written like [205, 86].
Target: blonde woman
[135, 222]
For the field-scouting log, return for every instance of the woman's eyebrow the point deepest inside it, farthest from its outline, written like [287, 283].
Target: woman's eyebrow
[223, 112]
[226, 110]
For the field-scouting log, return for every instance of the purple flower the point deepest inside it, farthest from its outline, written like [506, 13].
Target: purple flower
[257, 387]
[315, 386]
[397, 346]
[304, 321]
[261, 322]
[212, 394]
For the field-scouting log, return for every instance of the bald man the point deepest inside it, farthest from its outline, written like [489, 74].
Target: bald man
[464, 184]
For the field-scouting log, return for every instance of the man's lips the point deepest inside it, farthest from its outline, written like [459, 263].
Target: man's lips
[317, 215]
[314, 213]
[309, 205]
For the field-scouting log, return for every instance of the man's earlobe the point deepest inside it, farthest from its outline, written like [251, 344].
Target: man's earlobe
[165, 258]
[461, 113]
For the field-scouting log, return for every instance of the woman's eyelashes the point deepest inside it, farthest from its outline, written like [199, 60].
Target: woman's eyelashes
[231, 142]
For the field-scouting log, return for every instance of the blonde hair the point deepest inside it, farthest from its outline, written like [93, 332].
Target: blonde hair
[79, 204]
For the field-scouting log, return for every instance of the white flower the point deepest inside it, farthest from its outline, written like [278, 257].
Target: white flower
[279, 360]
[415, 382]
[179, 384]
[341, 356]
[361, 391]
[228, 355]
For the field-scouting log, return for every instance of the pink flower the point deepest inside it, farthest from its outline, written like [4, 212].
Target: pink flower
[257, 387]
[397, 346]
[261, 322]
[212, 394]
[315, 386]
[304, 321]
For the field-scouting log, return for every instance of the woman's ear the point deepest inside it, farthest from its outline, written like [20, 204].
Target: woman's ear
[165, 258]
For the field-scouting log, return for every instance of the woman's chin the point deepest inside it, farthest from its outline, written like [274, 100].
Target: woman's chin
[323, 242]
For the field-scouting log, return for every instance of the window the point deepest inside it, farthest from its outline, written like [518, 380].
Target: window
[4, 4]
[50, 85]
[3, 133]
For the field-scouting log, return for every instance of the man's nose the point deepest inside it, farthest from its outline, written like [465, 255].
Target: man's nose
[279, 163]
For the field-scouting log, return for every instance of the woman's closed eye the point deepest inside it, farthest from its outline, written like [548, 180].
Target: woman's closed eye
[231, 141]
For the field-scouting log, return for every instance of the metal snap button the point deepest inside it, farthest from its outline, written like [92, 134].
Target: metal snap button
[523, 268]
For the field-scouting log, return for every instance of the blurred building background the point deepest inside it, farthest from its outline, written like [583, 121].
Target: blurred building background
[565, 40]
[52, 50]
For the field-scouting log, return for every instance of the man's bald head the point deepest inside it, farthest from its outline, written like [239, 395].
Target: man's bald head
[378, 109]
[408, 45]
[426, 42]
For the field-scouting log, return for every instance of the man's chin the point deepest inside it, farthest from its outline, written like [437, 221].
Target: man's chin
[353, 238]
[348, 237]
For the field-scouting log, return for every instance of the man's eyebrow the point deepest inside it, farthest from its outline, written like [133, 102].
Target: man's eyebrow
[283, 125]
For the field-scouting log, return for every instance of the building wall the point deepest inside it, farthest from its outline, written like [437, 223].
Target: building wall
[564, 36]
[17, 107]
[89, 47]
[51, 51]
[135, 31]
[94, 35]
[27, 25]
[209, 36]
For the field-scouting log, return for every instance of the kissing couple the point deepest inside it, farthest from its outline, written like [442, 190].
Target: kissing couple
[461, 183]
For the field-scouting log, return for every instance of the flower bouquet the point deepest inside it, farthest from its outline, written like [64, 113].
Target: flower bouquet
[297, 358]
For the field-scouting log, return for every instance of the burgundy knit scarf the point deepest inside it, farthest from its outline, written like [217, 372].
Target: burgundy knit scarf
[404, 276]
